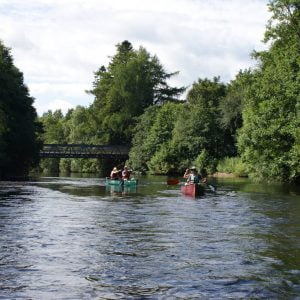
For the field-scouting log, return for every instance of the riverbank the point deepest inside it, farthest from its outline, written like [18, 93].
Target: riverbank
[224, 175]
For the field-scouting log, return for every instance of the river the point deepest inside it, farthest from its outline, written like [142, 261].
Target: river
[71, 238]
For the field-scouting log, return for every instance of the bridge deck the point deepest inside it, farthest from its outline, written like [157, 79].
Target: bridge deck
[84, 151]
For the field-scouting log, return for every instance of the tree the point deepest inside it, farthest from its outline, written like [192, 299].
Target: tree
[181, 134]
[3, 131]
[53, 134]
[198, 127]
[78, 125]
[158, 140]
[231, 109]
[232, 105]
[152, 151]
[284, 22]
[140, 152]
[19, 129]
[269, 139]
[53, 124]
[132, 81]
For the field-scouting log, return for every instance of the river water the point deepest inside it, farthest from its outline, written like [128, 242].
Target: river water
[71, 238]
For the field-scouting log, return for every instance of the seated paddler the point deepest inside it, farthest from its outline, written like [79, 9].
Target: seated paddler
[193, 176]
[115, 174]
[126, 173]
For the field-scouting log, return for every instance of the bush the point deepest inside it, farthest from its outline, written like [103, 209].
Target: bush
[50, 166]
[206, 162]
[232, 165]
[163, 161]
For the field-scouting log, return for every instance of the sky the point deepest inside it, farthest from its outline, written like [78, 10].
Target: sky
[59, 44]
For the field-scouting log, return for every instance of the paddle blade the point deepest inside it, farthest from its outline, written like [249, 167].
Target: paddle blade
[212, 188]
[172, 181]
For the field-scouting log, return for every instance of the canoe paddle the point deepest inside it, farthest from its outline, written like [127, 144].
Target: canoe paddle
[211, 187]
[172, 181]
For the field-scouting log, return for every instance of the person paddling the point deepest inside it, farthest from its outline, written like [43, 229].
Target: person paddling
[187, 173]
[193, 177]
[115, 174]
[126, 173]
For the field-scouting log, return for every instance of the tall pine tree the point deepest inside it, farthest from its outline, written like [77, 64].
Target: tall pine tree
[132, 81]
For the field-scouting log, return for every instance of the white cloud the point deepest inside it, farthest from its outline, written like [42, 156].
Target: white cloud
[57, 104]
[58, 44]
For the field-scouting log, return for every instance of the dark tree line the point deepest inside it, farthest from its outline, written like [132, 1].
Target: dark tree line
[19, 129]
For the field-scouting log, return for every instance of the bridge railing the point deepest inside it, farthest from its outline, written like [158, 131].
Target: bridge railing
[84, 151]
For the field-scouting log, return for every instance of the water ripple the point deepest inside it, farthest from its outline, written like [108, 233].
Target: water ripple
[63, 238]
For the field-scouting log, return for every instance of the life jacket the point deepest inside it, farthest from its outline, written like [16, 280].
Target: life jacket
[125, 174]
[194, 178]
[114, 175]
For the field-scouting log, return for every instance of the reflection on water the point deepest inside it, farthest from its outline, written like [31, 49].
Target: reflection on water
[116, 190]
[73, 238]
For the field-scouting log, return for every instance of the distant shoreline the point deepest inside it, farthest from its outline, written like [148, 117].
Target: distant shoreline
[224, 175]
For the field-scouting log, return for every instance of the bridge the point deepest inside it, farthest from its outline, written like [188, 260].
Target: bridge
[84, 151]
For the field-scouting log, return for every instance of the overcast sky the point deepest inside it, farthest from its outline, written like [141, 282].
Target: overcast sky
[59, 44]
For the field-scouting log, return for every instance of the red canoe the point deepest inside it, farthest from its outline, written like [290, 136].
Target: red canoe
[193, 190]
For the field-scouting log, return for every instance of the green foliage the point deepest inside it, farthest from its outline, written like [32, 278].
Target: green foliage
[257, 114]
[268, 140]
[162, 128]
[132, 81]
[74, 128]
[78, 126]
[53, 124]
[163, 161]
[65, 165]
[205, 162]
[19, 130]
[284, 22]
[3, 131]
[140, 153]
[191, 132]
[151, 149]
[232, 165]
[49, 166]
[198, 127]
[207, 93]
[181, 135]
[232, 104]
[294, 158]
[80, 165]
[53, 134]
[231, 108]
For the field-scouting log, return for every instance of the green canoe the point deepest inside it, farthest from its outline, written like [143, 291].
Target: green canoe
[129, 183]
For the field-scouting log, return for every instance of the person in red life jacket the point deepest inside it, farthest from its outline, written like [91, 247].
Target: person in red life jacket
[126, 173]
[187, 173]
[115, 174]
